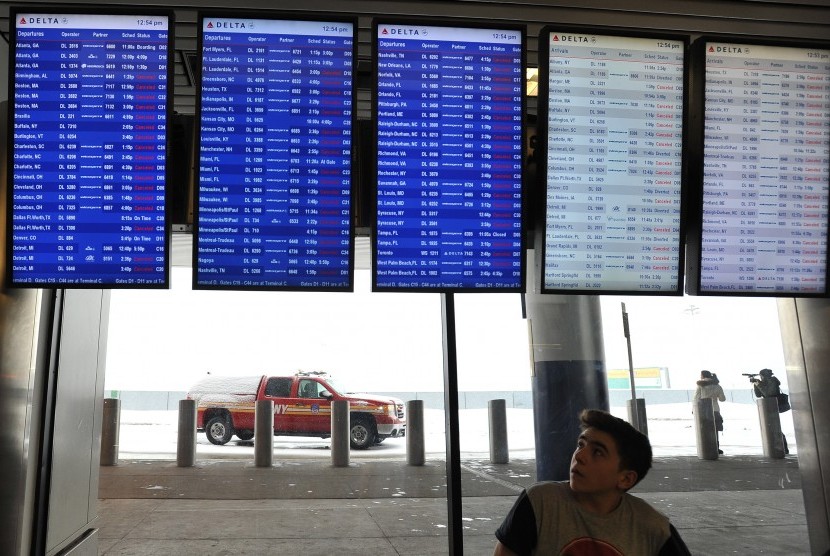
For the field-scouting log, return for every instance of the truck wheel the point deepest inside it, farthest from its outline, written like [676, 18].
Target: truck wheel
[245, 435]
[219, 430]
[363, 432]
[379, 439]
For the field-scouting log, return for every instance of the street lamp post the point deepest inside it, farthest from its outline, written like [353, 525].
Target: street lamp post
[634, 405]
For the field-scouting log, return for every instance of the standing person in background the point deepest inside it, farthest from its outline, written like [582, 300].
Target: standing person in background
[768, 386]
[709, 387]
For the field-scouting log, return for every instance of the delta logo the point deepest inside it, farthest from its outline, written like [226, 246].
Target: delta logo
[728, 50]
[399, 32]
[229, 25]
[40, 21]
[570, 38]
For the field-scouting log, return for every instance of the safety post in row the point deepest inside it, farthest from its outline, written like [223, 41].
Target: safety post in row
[340, 433]
[497, 417]
[110, 430]
[705, 429]
[771, 437]
[415, 448]
[186, 439]
[264, 433]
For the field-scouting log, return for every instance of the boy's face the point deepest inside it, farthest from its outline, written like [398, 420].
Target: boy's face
[595, 465]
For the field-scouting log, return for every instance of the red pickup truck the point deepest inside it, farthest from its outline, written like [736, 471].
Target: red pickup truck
[302, 407]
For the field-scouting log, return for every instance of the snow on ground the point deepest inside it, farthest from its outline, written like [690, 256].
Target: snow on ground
[152, 435]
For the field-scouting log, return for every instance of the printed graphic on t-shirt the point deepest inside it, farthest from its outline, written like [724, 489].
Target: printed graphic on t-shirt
[586, 546]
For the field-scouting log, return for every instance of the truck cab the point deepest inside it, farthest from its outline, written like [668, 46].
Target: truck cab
[302, 407]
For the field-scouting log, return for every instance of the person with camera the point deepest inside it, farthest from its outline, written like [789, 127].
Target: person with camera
[768, 386]
[709, 387]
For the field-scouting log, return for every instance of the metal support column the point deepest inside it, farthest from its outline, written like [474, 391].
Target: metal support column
[805, 327]
[455, 530]
[568, 372]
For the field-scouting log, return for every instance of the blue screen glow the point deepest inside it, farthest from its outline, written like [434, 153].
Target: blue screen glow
[88, 162]
[449, 160]
[274, 200]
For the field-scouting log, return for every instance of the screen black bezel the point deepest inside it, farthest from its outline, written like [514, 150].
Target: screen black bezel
[273, 16]
[447, 23]
[695, 229]
[542, 146]
[81, 11]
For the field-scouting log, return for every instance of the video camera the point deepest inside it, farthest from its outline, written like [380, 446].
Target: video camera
[751, 376]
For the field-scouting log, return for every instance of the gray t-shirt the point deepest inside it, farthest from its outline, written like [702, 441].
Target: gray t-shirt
[563, 527]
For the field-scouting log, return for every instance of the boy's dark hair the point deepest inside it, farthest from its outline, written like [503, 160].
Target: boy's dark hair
[632, 445]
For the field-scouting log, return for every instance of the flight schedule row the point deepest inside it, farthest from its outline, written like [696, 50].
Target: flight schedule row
[614, 163]
[449, 160]
[766, 169]
[88, 153]
[275, 155]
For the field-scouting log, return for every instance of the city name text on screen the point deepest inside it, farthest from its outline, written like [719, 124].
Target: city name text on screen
[88, 154]
[614, 163]
[449, 161]
[275, 144]
[765, 170]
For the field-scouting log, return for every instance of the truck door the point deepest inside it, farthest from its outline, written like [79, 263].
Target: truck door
[279, 391]
[313, 412]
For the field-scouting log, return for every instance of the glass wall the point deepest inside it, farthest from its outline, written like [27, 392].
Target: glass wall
[163, 342]
[373, 347]
[493, 369]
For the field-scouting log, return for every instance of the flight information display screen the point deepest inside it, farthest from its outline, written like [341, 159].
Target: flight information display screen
[87, 150]
[614, 110]
[449, 116]
[275, 144]
[765, 170]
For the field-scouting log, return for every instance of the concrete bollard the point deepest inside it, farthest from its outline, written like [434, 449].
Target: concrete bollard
[707, 434]
[340, 433]
[264, 433]
[641, 422]
[186, 439]
[497, 412]
[110, 425]
[415, 446]
[771, 437]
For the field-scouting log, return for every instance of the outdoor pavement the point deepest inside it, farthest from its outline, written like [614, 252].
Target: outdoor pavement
[735, 505]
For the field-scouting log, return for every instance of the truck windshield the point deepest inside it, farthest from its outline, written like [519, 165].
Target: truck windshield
[338, 387]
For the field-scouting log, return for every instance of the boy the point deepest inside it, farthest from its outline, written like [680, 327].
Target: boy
[592, 513]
